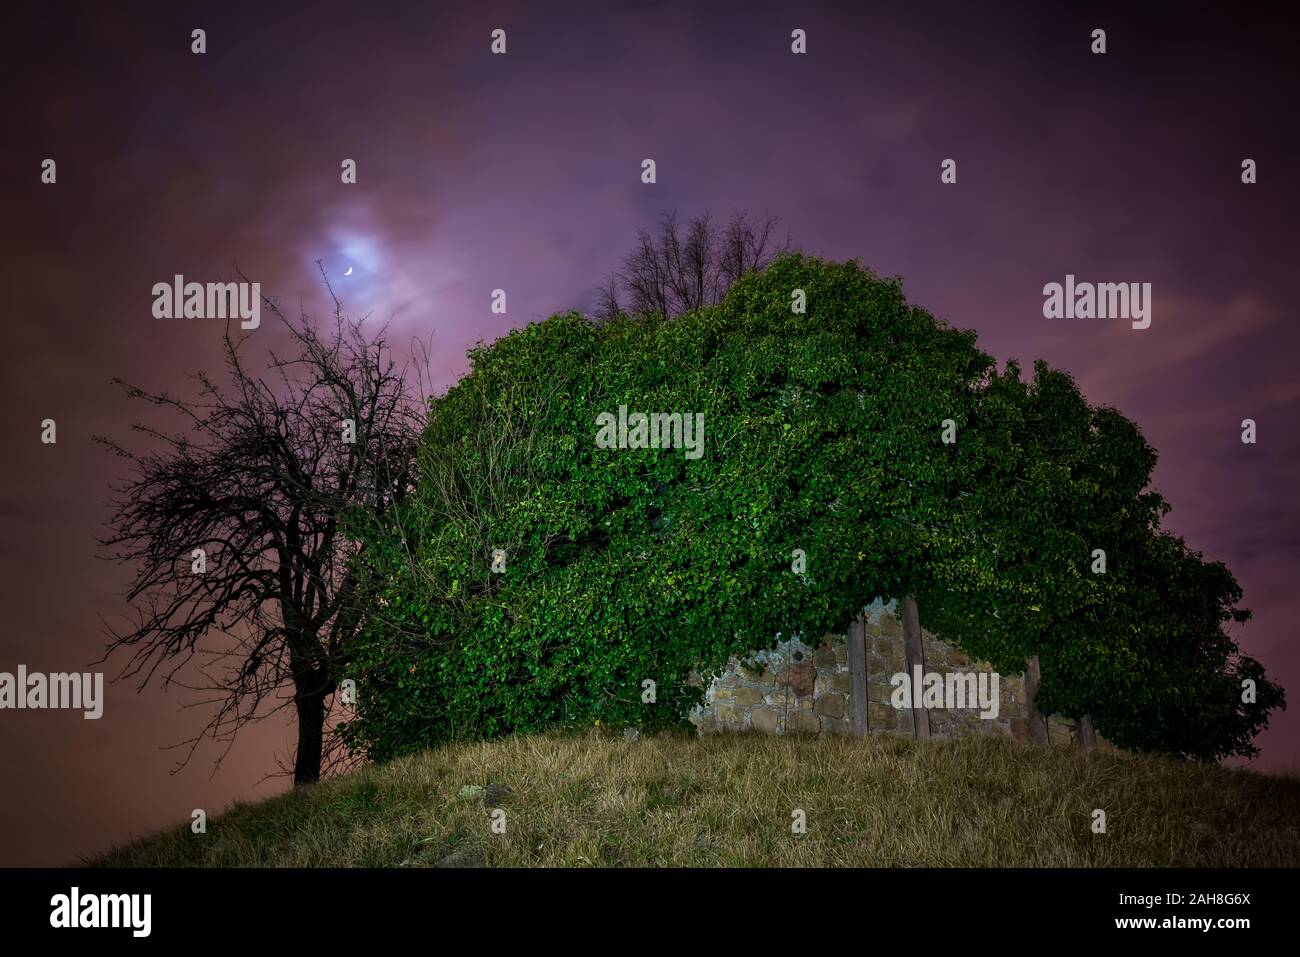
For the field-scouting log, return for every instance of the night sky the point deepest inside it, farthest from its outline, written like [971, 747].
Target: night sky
[523, 172]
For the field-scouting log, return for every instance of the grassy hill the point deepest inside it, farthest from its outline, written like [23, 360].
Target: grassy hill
[580, 800]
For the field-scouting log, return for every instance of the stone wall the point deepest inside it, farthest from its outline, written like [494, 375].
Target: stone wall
[797, 688]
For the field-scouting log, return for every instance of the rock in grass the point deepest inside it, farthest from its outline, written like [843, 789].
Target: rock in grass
[471, 792]
[462, 857]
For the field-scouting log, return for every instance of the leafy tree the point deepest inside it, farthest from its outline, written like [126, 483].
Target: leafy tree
[823, 433]
[1051, 489]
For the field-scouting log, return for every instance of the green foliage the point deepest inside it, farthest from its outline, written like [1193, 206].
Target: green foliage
[1142, 645]
[822, 433]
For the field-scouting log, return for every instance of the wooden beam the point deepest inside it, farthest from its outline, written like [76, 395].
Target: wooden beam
[1087, 734]
[857, 642]
[914, 656]
[1037, 723]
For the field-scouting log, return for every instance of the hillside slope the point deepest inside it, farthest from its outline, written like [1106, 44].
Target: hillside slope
[580, 800]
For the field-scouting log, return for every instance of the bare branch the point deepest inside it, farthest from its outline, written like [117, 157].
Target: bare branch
[236, 526]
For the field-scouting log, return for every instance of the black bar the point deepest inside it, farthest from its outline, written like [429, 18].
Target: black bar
[347, 908]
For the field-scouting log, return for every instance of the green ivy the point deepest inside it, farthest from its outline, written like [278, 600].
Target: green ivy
[822, 433]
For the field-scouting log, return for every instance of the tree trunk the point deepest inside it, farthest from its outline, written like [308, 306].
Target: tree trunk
[310, 705]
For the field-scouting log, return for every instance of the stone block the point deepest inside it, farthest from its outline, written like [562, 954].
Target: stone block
[830, 705]
[746, 697]
[879, 715]
[803, 722]
[705, 723]
[1059, 732]
[764, 719]
[752, 672]
[798, 678]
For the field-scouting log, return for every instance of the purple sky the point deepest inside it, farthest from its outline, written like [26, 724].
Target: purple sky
[522, 172]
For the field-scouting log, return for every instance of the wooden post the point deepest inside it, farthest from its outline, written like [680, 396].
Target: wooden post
[857, 642]
[1087, 734]
[1037, 724]
[914, 657]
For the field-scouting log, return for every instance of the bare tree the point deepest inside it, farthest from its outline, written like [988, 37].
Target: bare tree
[238, 527]
[682, 269]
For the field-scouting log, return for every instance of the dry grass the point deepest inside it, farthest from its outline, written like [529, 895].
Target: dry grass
[726, 801]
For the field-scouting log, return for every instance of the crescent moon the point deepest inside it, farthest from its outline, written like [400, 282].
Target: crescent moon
[349, 272]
